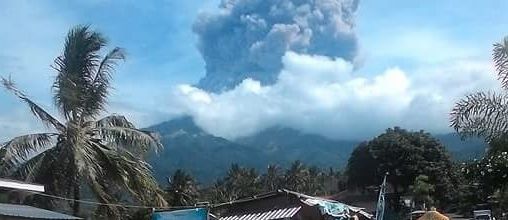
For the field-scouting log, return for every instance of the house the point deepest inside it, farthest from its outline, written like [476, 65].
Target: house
[19, 212]
[18, 185]
[23, 212]
[285, 204]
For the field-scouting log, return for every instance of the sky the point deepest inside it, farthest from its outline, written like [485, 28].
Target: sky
[383, 65]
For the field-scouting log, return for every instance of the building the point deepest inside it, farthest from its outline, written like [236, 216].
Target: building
[18, 185]
[19, 212]
[23, 212]
[285, 204]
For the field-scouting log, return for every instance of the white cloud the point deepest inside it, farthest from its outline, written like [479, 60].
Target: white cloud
[322, 95]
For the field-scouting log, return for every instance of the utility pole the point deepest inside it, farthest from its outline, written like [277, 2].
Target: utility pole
[380, 211]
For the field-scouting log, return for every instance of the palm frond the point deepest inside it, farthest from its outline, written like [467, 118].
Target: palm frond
[93, 164]
[30, 169]
[39, 112]
[99, 91]
[481, 114]
[22, 148]
[136, 177]
[500, 56]
[114, 121]
[123, 168]
[134, 140]
[76, 70]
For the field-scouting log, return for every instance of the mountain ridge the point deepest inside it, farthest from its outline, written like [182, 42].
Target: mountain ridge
[208, 157]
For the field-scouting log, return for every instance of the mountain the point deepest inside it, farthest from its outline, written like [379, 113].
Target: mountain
[284, 145]
[460, 149]
[188, 147]
[207, 157]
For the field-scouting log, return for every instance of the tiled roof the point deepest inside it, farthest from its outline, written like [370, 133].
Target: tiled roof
[30, 212]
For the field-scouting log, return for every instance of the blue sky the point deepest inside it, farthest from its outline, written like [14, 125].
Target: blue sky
[413, 36]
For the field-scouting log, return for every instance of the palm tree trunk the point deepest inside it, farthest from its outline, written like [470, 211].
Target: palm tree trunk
[77, 196]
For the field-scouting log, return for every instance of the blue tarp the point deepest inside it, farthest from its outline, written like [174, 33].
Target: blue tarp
[334, 209]
[185, 214]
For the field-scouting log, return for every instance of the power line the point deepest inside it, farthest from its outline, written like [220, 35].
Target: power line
[105, 204]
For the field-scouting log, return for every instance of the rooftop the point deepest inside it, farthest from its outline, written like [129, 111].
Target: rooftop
[24, 211]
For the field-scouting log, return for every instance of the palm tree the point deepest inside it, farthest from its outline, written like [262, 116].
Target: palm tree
[272, 179]
[80, 149]
[182, 190]
[242, 182]
[315, 182]
[486, 113]
[297, 176]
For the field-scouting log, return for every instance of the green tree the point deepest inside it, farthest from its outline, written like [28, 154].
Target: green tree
[182, 189]
[362, 168]
[422, 191]
[240, 182]
[81, 149]
[404, 155]
[296, 177]
[485, 114]
[272, 179]
[334, 182]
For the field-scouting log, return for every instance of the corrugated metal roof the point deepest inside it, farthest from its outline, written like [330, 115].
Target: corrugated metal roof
[25, 211]
[15, 184]
[267, 215]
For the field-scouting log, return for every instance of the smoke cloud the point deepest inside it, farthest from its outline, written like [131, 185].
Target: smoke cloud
[293, 63]
[248, 38]
[317, 94]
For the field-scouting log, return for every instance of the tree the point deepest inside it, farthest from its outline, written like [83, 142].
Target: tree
[362, 168]
[422, 191]
[182, 189]
[404, 155]
[334, 182]
[80, 149]
[297, 177]
[272, 179]
[242, 182]
[485, 114]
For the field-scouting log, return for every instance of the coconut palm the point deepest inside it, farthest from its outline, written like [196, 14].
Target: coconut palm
[486, 113]
[81, 149]
[272, 179]
[241, 182]
[182, 190]
[297, 176]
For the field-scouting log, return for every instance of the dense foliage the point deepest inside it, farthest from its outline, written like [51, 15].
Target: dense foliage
[485, 114]
[241, 182]
[82, 152]
[404, 155]
[421, 191]
[486, 181]
[182, 189]
[184, 143]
